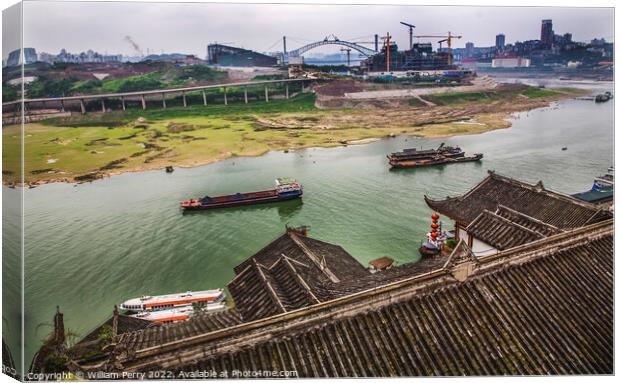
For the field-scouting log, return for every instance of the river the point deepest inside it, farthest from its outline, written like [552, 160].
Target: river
[92, 245]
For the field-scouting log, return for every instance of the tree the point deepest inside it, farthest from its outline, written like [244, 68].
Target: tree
[105, 334]
[55, 362]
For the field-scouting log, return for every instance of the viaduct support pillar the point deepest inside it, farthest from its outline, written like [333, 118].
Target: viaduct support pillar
[245, 94]
[286, 91]
[123, 102]
[163, 100]
[62, 105]
[204, 97]
[225, 96]
[143, 102]
[82, 106]
[266, 94]
[102, 105]
[302, 87]
[184, 100]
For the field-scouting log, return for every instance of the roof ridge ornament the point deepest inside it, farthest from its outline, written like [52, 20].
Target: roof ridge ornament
[539, 186]
[461, 262]
[319, 261]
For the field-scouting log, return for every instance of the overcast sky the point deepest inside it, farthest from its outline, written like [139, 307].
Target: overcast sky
[189, 27]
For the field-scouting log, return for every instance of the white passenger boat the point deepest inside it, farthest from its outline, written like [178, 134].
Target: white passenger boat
[176, 314]
[166, 316]
[165, 302]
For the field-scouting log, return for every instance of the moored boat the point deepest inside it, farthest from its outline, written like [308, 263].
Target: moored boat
[286, 189]
[604, 97]
[435, 238]
[170, 301]
[602, 190]
[605, 181]
[428, 249]
[437, 160]
[415, 154]
[166, 316]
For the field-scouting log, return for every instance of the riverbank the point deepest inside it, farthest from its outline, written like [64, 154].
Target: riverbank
[86, 148]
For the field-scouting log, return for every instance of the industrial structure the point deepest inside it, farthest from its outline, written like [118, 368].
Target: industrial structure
[224, 55]
[420, 57]
[290, 56]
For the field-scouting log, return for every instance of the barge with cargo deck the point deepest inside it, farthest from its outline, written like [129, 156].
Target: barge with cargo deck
[286, 189]
[411, 154]
[437, 160]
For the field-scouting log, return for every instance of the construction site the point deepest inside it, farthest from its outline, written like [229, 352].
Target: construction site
[418, 57]
[382, 56]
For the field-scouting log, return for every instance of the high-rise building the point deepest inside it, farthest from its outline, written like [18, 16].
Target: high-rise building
[546, 33]
[15, 57]
[30, 55]
[500, 41]
[469, 49]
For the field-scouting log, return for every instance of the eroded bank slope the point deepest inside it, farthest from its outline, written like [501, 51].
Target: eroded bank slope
[85, 148]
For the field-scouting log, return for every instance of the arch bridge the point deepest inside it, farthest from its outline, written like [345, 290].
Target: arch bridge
[332, 40]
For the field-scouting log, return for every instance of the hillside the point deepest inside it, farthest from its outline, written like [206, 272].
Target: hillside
[72, 79]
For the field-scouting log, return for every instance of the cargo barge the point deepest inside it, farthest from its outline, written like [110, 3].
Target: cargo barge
[415, 154]
[286, 189]
[437, 160]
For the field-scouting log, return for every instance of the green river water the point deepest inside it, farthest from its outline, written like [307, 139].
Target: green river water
[90, 246]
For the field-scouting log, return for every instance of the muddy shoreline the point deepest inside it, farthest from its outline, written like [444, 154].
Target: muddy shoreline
[431, 122]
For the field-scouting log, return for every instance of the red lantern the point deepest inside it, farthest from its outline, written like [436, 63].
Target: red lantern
[434, 235]
[434, 225]
[434, 216]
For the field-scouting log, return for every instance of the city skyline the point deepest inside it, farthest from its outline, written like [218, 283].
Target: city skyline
[172, 27]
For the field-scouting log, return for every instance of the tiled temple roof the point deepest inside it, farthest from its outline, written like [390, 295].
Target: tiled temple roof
[527, 222]
[91, 344]
[369, 281]
[287, 274]
[541, 308]
[308, 251]
[200, 323]
[535, 201]
[500, 232]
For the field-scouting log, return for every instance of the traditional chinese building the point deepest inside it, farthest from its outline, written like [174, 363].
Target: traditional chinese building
[541, 308]
[500, 213]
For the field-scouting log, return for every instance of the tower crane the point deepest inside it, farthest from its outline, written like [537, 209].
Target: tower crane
[387, 40]
[448, 38]
[410, 33]
[441, 41]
